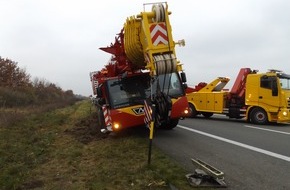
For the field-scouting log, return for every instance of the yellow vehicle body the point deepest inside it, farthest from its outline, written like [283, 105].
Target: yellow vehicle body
[276, 106]
[214, 102]
[266, 98]
[148, 41]
[210, 99]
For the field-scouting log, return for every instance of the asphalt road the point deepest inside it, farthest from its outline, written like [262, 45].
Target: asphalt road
[251, 156]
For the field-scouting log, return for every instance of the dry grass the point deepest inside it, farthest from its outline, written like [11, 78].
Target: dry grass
[10, 116]
[63, 149]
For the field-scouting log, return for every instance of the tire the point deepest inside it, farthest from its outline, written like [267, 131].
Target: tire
[207, 114]
[172, 124]
[259, 116]
[101, 119]
[193, 111]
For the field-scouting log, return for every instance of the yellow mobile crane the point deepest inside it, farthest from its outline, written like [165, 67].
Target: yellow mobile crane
[143, 66]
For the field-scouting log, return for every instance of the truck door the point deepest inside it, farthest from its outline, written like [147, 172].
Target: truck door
[268, 92]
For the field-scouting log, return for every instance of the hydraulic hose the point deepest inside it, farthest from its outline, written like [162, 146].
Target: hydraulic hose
[163, 105]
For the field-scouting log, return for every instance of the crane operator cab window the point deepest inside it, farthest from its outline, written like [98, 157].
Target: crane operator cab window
[128, 91]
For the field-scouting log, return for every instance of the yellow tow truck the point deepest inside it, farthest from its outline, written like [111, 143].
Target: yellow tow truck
[258, 97]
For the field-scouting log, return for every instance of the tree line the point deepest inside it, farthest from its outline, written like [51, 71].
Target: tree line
[18, 89]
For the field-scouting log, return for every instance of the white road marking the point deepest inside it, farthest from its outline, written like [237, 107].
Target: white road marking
[273, 154]
[271, 130]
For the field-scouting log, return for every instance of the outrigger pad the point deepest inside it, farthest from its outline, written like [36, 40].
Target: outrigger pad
[205, 175]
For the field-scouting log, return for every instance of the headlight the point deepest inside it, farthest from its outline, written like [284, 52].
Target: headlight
[285, 113]
[186, 111]
[116, 126]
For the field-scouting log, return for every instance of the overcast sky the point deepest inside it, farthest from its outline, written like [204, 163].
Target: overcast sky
[58, 40]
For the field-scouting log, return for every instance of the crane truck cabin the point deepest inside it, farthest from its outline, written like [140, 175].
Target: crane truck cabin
[258, 97]
[143, 66]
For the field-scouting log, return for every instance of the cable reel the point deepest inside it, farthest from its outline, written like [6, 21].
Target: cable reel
[165, 63]
[159, 11]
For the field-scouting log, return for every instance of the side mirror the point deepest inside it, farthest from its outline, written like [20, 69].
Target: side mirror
[183, 77]
[99, 92]
[101, 101]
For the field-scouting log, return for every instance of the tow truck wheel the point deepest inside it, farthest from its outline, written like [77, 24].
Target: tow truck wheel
[207, 114]
[258, 116]
[192, 110]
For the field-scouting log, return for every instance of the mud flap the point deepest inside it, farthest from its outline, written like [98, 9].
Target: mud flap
[205, 175]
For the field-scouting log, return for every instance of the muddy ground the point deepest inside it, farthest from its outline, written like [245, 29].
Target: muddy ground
[87, 130]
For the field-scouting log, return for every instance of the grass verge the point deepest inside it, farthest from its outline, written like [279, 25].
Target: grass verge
[63, 149]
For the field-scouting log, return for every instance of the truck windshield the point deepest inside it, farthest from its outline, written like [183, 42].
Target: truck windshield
[285, 83]
[128, 91]
[134, 90]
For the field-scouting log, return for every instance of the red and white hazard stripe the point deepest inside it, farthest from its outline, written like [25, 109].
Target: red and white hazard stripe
[158, 33]
[147, 112]
[107, 116]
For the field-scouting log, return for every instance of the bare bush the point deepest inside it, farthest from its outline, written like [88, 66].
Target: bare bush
[18, 91]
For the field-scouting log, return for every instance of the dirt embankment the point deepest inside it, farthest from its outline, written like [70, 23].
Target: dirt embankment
[87, 130]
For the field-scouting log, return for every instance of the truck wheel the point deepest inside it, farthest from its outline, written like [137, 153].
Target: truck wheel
[258, 116]
[101, 119]
[207, 114]
[172, 123]
[192, 110]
